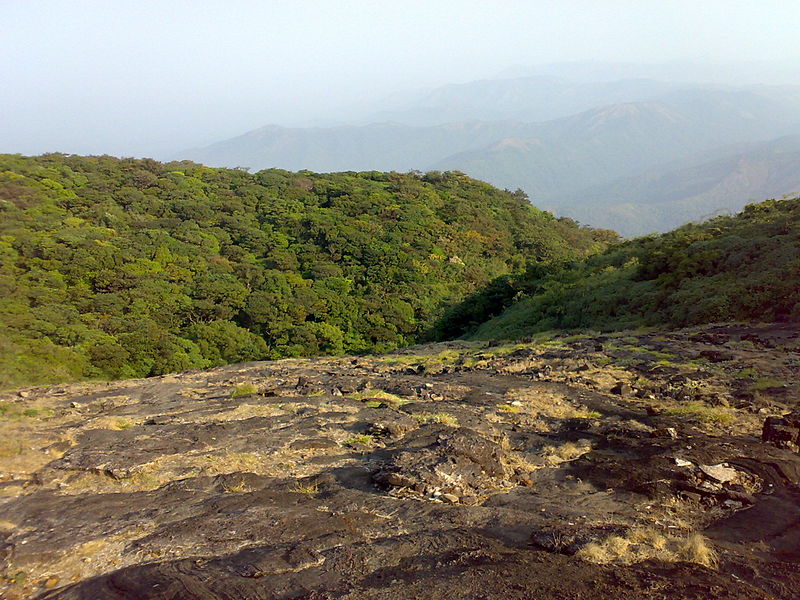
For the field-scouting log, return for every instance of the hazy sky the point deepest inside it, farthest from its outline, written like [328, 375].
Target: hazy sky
[148, 78]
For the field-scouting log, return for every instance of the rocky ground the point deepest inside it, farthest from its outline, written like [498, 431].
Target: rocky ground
[629, 466]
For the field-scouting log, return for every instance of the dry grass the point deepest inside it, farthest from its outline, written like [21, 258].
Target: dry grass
[114, 423]
[555, 455]
[371, 395]
[233, 462]
[643, 543]
[311, 489]
[545, 404]
[16, 411]
[247, 411]
[696, 549]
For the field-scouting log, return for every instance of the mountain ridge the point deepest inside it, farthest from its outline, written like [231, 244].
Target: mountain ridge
[553, 161]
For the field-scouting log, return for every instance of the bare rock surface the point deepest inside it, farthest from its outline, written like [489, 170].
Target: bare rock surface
[555, 468]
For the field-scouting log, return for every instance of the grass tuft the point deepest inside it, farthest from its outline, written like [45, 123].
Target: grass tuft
[443, 418]
[244, 390]
[311, 489]
[642, 543]
[363, 439]
[703, 413]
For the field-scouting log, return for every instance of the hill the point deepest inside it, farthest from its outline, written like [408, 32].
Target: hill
[577, 159]
[744, 267]
[379, 146]
[527, 99]
[606, 143]
[126, 268]
[672, 195]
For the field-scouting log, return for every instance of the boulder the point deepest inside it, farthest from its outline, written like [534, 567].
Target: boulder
[783, 432]
[456, 461]
[621, 388]
[720, 473]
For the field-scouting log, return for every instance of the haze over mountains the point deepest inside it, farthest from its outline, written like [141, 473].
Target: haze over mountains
[638, 155]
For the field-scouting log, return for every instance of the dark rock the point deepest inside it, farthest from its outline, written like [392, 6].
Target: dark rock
[576, 424]
[457, 461]
[397, 425]
[717, 355]
[665, 432]
[621, 388]
[313, 444]
[783, 432]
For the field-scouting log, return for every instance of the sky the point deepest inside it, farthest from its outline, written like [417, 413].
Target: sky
[149, 78]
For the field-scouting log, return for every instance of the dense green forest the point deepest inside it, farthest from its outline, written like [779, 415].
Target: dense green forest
[115, 268]
[744, 267]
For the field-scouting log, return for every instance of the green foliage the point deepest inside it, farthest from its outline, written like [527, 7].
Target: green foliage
[734, 268]
[244, 390]
[115, 268]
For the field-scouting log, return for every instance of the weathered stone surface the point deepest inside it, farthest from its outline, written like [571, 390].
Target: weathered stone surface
[720, 473]
[783, 432]
[621, 388]
[479, 479]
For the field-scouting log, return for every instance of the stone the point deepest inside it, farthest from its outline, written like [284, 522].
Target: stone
[665, 432]
[395, 426]
[717, 355]
[782, 432]
[450, 498]
[719, 401]
[621, 388]
[721, 473]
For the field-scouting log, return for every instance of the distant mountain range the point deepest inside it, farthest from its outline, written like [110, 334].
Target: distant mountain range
[675, 194]
[593, 151]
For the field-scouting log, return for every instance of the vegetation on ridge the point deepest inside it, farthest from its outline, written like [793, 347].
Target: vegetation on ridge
[118, 268]
[744, 267]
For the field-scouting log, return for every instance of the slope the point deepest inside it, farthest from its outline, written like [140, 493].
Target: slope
[118, 268]
[379, 146]
[744, 267]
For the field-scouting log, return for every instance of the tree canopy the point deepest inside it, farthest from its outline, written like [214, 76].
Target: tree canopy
[113, 268]
[744, 267]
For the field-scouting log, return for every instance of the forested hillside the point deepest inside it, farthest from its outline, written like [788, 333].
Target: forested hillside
[744, 267]
[122, 268]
